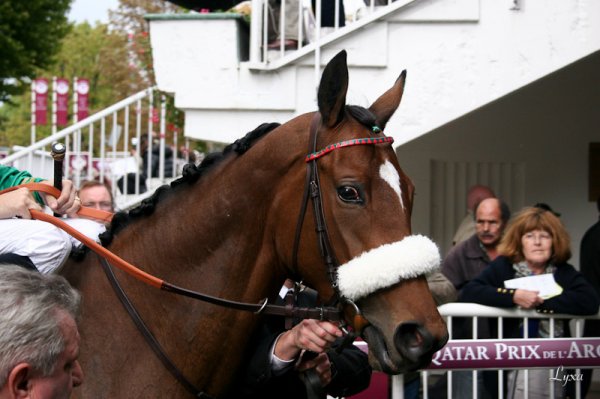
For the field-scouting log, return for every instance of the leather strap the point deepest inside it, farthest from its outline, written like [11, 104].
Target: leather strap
[314, 190]
[310, 378]
[147, 334]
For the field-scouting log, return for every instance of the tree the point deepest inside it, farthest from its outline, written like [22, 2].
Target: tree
[129, 20]
[30, 35]
[88, 52]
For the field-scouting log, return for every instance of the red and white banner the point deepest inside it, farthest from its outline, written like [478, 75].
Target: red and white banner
[40, 88]
[82, 89]
[62, 102]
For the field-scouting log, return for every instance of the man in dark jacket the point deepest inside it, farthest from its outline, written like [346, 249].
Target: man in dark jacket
[278, 360]
[463, 263]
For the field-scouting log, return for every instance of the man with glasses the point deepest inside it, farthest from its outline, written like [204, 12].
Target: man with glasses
[94, 194]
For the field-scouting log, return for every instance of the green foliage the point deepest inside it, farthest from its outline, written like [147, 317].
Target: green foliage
[30, 34]
[129, 20]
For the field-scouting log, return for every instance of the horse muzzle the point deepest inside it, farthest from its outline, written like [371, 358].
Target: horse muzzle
[398, 317]
[416, 344]
[413, 348]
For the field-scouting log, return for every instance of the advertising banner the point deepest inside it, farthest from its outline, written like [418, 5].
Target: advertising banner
[82, 88]
[40, 88]
[518, 353]
[62, 102]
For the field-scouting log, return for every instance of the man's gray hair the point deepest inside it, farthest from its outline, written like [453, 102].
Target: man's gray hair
[31, 304]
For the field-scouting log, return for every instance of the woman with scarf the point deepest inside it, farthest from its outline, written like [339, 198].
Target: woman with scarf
[535, 243]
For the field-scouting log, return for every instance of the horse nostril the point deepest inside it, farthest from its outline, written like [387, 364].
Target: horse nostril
[413, 341]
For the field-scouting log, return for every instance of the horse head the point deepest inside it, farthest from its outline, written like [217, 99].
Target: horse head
[373, 264]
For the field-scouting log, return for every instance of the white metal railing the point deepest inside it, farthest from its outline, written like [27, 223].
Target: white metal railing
[585, 352]
[109, 146]
[311, 36]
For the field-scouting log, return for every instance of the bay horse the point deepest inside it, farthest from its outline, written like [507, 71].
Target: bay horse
[236, 226]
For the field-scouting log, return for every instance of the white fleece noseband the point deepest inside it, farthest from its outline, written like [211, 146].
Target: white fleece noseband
[387, 265]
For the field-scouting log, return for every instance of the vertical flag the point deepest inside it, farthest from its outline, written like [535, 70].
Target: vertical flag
[40, 87]
[62, 101]
[82, 88]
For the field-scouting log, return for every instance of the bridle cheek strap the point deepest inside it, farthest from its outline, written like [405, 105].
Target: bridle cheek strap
[387, 265]
[312, 192]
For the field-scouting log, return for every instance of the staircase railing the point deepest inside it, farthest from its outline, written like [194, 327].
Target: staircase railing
[311, 36]
[126, 145]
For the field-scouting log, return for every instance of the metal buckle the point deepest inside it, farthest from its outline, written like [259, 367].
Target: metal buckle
[264, 304]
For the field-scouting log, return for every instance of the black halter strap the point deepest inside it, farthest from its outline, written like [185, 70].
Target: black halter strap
[312, 190]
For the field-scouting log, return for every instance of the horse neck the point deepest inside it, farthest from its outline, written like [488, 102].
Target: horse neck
[217, 237]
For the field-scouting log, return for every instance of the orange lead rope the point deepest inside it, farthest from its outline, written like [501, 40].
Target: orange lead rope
[93, 245]
[99, 249]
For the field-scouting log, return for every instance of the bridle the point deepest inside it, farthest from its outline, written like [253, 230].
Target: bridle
[312, 190]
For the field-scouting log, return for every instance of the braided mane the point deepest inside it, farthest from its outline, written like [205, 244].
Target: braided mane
[191, 173]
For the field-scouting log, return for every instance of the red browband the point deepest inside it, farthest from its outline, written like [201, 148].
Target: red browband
[347, 143]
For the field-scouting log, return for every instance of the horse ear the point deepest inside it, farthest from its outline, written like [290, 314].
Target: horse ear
[386, 105]
[332, 90]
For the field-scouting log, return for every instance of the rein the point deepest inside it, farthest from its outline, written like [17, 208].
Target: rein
[263, 307]
[107, 257]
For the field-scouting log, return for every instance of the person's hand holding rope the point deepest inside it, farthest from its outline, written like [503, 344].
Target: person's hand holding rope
[67, 203]
[17, 203]
[311, 335]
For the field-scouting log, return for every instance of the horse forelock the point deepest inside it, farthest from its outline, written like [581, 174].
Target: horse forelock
[364, 116]
[191, 174]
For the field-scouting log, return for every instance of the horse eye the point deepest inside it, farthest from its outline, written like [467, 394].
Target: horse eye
[349, 194]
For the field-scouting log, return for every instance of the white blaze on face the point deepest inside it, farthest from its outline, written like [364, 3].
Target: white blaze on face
[390, 175]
